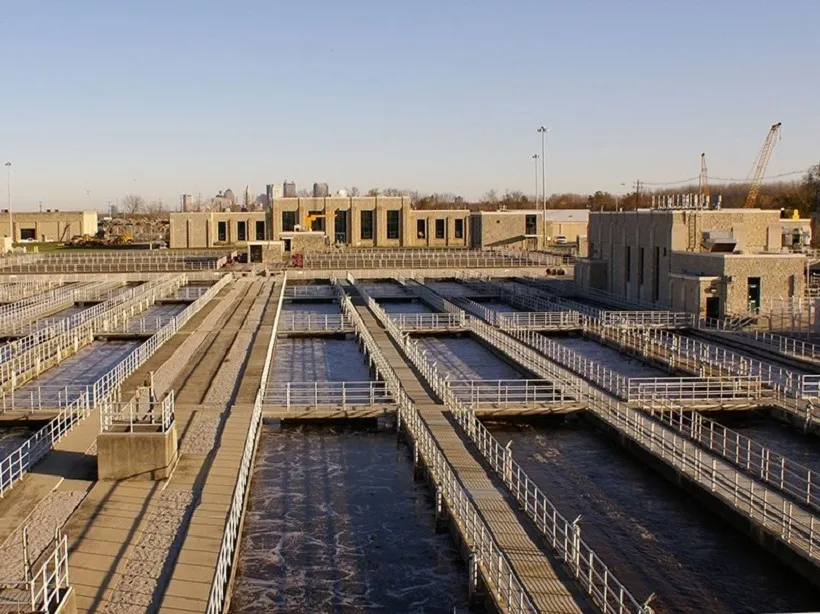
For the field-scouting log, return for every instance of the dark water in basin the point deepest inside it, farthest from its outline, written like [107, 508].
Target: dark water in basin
[12, 437]
[336, 524]
[651, 534]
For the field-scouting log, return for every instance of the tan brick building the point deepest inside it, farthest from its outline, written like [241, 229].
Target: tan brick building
[48, 225]
[713, 262]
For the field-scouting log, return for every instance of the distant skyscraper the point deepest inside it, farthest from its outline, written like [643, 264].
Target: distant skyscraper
[187, 202]
[273, 191]
[248, 196]
[320, 190]
[289, 189]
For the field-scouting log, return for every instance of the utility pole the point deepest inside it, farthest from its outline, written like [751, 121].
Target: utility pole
[41, 206]
[543, 131]
[535, 158]
[8, 186]
[638, 185]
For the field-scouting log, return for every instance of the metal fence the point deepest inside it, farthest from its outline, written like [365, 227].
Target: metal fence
[609, 595]
[227, 548]
[140, 414]
[19, 461]
[327, 394]
[318, 291]
[480, 394]
[44, 589]
[312, 322]
[428, 321]
[778, 516]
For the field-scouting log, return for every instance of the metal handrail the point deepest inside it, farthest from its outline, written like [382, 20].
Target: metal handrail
[777, 515]
[427, 321]
[327, 394]
[230, 536]
[515, 392]
[565, 538]
[297, 322]
[139, 414]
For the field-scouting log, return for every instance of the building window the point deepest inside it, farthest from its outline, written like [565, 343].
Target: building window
[640, 267]
[288, 221]
[340, 226]
[628, 264]
[222, 231]
[458, 230]
[28, 234]
[260, 230]
[317, 224]
[367, 225]
[421, 229]
[241, 231]
[531, 224]
[393, 224]
[439, 229]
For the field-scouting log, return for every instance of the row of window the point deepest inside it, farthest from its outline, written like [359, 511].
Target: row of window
[367, 225]
[241, 231]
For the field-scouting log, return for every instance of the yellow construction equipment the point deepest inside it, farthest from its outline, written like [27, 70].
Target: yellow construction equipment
[761, 164]
[311, 217]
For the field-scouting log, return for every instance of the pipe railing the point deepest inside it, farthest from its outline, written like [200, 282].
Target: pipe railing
[327, 394]
[427, 321]
[486, 558]
[43, 589]
[16, 464]
[479, 394]
[563, 536]
[790, 478]
[230, 536]
[141, 414]
[779, 516]
[305, 322]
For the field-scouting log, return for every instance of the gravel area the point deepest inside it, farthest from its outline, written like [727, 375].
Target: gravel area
[227, 378]
[50, 513]
[134, 593]
[165, 375]
[201, 437]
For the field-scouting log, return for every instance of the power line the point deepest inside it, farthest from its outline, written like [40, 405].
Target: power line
[724, 179]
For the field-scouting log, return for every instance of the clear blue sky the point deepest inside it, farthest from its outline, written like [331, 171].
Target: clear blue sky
[172, 96]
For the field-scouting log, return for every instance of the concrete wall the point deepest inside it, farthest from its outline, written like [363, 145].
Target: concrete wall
[201, 229]
[49, 225]
[638, 245]
[781, 276]
[506, 229]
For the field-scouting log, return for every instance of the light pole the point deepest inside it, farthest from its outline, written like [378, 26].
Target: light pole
[543, 130]
[535, 158]
[8, 187]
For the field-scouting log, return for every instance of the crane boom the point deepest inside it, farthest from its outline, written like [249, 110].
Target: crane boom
[761, 164]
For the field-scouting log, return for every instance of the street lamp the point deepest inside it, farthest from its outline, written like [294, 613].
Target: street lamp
[543, 131]
[535, 158]
[8, 187]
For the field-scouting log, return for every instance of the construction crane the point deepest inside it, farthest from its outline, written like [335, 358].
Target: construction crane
[761, 164]
[703, 182]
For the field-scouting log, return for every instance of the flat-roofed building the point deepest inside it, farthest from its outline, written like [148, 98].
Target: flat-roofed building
[712, 262]
[48, 225]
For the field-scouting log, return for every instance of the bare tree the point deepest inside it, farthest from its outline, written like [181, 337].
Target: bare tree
[373, 192]
[354, 191]
[303, 193]
[132, 204]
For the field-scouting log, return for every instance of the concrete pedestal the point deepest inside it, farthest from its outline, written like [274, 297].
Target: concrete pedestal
[140, 456]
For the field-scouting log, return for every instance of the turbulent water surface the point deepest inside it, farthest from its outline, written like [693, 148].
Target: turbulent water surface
[336, 524]
[653, 536]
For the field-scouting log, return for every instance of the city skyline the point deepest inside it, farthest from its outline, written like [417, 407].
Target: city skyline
[435, 97]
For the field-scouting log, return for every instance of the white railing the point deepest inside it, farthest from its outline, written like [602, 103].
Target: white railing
[790, 478]
[309, 292]
[538, 320]
[42, 590]
[327, 394]
[428, 321]
[683, 389]
[479, 394]
[227, 549]
[313, 322]
[609, 595]
[15, 291]
[787, 346]
[781, 518]
[487, 559]
[45, 397]
[141, 414]
[36, 354]
[19, 461]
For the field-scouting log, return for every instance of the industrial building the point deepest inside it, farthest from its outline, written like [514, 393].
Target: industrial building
[48, 225]
[711, 262]
[379, 222]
